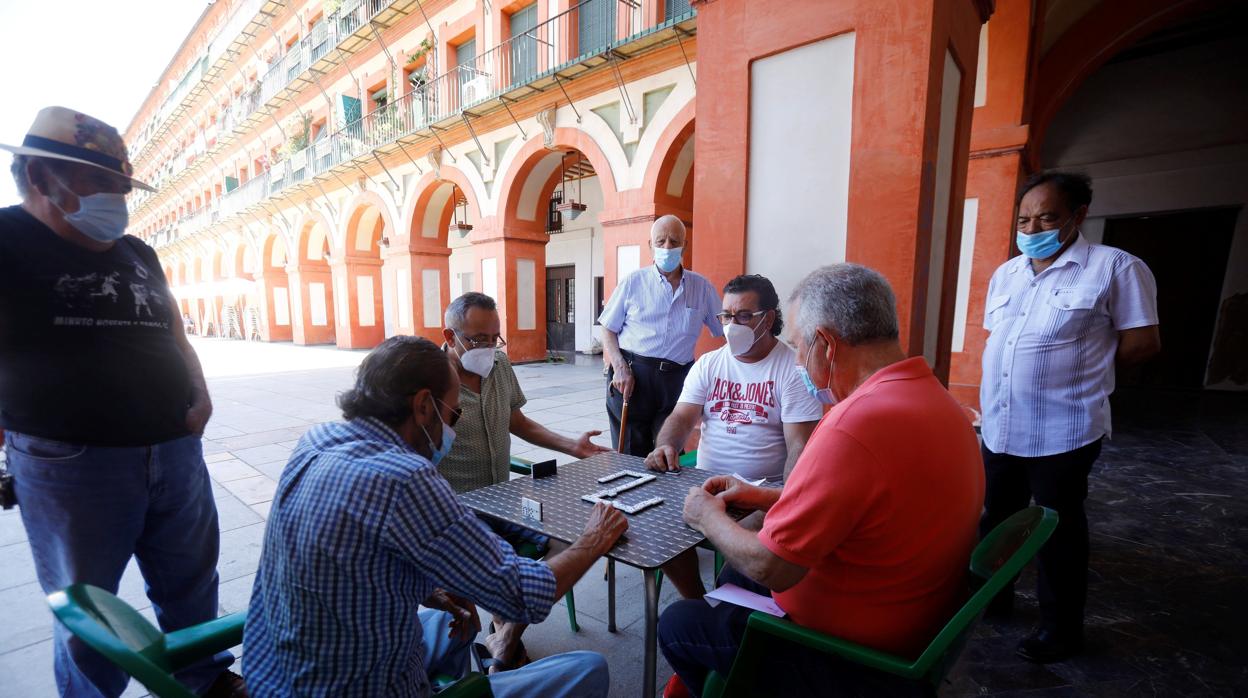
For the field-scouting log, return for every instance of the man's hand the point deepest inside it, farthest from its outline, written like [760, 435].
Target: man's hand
[605, 526]
[700, 506]
[663, 458]
[622, 379]
[586, 448]
[733, 492]
[198, 413]
[465, 624]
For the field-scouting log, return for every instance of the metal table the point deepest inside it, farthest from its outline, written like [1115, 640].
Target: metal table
[655, 535]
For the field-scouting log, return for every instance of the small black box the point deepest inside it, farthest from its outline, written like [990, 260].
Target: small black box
[544, 469]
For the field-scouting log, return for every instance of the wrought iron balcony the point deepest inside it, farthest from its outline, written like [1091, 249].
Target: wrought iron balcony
[588, 35]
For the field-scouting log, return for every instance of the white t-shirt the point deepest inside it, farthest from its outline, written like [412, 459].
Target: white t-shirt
[744, 409]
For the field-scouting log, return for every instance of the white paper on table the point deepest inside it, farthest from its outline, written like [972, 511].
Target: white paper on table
[735, 595]
[759, 481]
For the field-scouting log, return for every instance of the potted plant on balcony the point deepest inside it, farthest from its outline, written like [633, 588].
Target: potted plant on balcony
[422, 49]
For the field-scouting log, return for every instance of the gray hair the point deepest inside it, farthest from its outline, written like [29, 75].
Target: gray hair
[853, 301]
[458, 309]
[669, 221]
[21, 178]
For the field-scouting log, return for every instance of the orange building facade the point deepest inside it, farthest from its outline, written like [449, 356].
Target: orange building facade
[335, 172]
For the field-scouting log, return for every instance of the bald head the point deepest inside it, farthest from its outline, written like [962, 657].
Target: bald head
[667, 231]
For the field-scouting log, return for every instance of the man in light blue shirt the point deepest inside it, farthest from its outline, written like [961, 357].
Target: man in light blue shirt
[649, 330]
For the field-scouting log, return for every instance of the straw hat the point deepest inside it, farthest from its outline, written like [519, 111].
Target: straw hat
[65, 134]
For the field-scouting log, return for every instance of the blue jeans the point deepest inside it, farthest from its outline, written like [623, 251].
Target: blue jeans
[87, 509]
[571, 674]
[697, 638]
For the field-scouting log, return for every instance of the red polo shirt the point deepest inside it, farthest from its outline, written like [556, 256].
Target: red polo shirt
[882, 508]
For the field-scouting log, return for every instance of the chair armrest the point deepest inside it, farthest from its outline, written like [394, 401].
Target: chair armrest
[690, 459]
[875, 659]
[189, 645]
[521, 466]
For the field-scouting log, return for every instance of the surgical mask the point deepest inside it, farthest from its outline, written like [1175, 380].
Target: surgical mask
[101, 217]
[478, 361]
[825, 396]
[448, 438]
[1041, 245]
[740, 338]
[667, 259]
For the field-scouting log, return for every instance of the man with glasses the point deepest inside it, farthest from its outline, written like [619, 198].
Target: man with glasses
[372, 569]
[754, 410]
[1060, 317]
[649, 330]
[490, 399]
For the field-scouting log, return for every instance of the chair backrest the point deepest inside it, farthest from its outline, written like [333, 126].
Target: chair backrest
[113, 628]
[996, 560]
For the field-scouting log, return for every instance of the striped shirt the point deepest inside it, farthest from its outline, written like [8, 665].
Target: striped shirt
[362, 530]
[654, 320]
[1053, 336]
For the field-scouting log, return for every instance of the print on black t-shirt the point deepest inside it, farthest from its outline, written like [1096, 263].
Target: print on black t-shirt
[87, 352]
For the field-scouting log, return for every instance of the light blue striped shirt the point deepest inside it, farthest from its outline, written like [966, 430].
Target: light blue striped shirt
[653, 320]
[362, 530]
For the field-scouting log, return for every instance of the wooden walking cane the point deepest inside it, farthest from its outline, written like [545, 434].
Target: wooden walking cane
[623, 423]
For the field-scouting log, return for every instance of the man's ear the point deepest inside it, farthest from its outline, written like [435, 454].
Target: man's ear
[449, 336]
[37, 174]
[422, 404]
[1081, 213]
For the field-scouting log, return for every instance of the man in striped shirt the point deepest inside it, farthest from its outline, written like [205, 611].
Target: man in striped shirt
[649, 330]
[1060, 316]
[364, 532]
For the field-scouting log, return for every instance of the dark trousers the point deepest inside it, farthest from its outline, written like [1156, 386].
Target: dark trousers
[655, 391]
[697, 638]
[1059, 482]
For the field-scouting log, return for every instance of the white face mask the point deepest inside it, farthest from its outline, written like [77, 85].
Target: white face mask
[740, 338]
[478, 361]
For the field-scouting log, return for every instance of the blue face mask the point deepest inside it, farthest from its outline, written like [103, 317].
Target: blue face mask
[101, 217]
[448, 438]
[825, 396]
[1040, 245]
[667, 259]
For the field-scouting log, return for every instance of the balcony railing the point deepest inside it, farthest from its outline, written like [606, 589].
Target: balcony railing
[253, 191]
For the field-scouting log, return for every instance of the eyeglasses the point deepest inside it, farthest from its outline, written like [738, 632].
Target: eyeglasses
[484, 342]
[743, 317]
[456, 413]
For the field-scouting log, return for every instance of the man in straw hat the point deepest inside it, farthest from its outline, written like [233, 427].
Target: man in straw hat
[102, 398]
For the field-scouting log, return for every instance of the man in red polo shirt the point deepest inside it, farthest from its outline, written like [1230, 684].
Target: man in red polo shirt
[870, 537]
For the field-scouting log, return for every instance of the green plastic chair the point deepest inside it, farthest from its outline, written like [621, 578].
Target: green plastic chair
[113, 628]
[994, 562]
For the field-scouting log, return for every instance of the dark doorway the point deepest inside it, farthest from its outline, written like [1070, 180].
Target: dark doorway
[561, 309]
[1187, 252]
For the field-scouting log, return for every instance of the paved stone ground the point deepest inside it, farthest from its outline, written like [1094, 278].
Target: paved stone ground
[1167, 508]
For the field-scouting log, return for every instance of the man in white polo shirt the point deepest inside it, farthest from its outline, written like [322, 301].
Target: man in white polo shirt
[755, 412]
[1060, 316]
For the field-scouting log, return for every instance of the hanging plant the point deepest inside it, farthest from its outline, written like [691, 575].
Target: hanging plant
[422, 49]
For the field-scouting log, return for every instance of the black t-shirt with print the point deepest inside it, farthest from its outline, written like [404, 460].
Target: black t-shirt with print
[87, 352]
